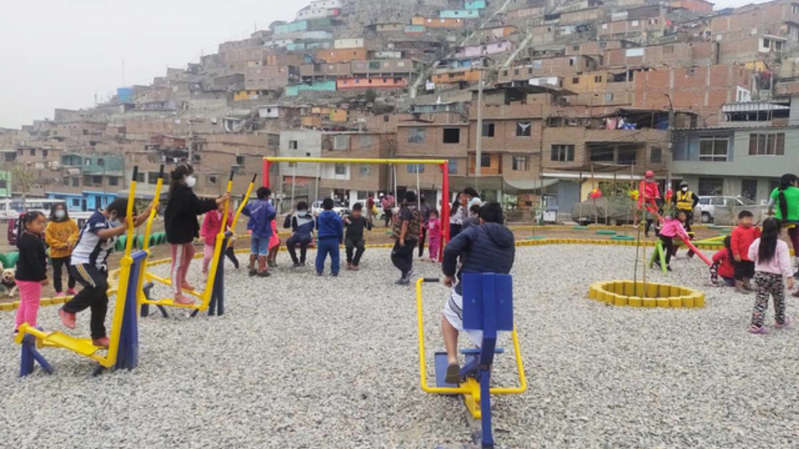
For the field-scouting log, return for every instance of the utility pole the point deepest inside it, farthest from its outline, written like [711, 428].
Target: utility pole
[669, 136]
[479, 141]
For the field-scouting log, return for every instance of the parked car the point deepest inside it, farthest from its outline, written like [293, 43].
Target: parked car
[723, 210]
[338, 207]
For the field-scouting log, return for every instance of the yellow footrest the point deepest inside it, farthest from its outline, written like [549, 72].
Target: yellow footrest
[81, 346]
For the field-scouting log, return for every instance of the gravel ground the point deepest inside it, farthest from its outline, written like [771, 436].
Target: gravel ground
[305, 362]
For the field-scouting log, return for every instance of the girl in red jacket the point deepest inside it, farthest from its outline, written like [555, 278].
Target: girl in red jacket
[723, 265]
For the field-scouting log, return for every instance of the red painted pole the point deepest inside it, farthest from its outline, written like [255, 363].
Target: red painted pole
[445, 203]
[265, 177]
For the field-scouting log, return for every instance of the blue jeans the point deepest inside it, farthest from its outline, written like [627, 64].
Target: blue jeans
[259, 246]
[327, 246]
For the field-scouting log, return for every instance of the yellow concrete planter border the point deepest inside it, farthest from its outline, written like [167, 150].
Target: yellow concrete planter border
[651, 294]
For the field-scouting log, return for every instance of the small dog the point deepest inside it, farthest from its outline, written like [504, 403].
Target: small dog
[7, 280]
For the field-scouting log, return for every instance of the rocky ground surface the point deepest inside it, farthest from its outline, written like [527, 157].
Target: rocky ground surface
[300, 361]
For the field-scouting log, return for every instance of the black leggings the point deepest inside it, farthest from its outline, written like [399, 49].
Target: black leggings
[230, 252]
[422, 238]
[668, 246]
[59, 263]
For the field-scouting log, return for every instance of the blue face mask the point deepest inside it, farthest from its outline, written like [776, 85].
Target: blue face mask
[115, 223]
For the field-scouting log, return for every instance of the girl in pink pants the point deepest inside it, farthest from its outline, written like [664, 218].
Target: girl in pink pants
[31, 271]
[434, 231]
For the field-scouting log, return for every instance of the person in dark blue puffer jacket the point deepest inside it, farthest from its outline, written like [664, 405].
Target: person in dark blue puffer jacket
[487, 248]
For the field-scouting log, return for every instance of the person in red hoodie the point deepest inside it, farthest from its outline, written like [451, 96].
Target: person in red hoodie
[649, 199]
[741, 238]
[723, 265]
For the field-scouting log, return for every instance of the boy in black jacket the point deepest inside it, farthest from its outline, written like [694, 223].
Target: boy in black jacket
[355, 224]
[485, 248]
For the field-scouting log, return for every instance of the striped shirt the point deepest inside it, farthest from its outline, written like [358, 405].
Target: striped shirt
[91, 249]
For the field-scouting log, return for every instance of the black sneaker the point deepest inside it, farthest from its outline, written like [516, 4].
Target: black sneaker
[264, 274]
[297, 265]
[253, 272]
[453, 374]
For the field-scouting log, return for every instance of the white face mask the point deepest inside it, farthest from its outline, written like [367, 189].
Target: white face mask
[59, 213]
[115, 223]
[191, 181]
[684, 189]
[302, 213]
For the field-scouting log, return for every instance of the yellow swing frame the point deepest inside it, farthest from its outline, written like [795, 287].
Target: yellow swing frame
[205, 295]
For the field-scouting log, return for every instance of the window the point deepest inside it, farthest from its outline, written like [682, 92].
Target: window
[598, 79]
[627, 156]
[239, 160]
[767, 144]
[572, 61]
[452, 167]
[452, 135]
[100, 162]
[713, 149]
[293, 145]
[113, 181]
[602, 155]
[655, 155]
[795, 9]
[562, 153]
[44, 154]
[341, 169]
[485, 161]
[75, 182]
[140, 177]
[608, 96]
[10, 157]
[415, 168]
[97, 180]
[341, 142]
[65, 181]
[3, 184]
[523, 129]
[520, 163]
[488, 130]
[576, 80]
[711, 186]
[365, 170]
[152, 177]
[416, 135]
[749, 189]
[33, 151]
[76, 202]
[366, 141]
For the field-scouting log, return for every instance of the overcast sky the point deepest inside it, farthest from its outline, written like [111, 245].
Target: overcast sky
[61, 53]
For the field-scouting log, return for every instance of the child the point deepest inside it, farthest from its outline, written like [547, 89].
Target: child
[302, 226]
[355, 224]
[60, 235]
[88, 265]
[723, 265]
[474, 216]
[486, 248]
[261, 213]
[434, 231]
[31, 267]
[331, 231]
[274, 245]
[786, 198]
[180, 222]
[406, 234]
[741, 239]
[212, 223]
[649, 199]
[672, 227]
[772, 261]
